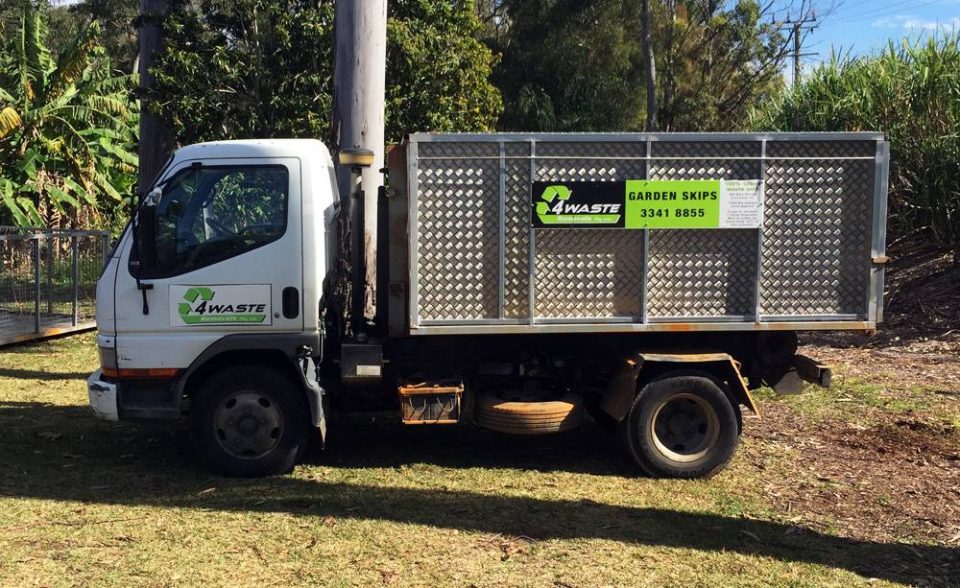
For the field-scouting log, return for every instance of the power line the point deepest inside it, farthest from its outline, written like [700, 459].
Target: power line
[888, 10]
[809, 22]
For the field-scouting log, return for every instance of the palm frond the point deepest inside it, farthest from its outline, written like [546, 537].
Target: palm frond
[9, 121]
[75, 60]
[34, 51]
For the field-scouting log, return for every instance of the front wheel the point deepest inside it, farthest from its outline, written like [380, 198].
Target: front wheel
[682, 427]
[249, 421]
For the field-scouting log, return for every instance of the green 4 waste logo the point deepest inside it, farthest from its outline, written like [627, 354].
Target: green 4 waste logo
[200, 305]
[573, 204]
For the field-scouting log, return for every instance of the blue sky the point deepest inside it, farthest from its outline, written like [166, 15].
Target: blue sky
[863, 26]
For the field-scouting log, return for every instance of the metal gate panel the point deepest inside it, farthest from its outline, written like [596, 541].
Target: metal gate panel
[592, 274]
[517, 180]
[707, 273]
[457, 239]
[475, 260]
[595, 274]
[816, 234]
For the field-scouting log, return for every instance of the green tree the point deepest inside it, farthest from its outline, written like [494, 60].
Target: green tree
[571, 65]
[117, 20]
[577, 65]
[66, 127]
[438, 72]
[718, 61]
[245, 68]
[263, 68]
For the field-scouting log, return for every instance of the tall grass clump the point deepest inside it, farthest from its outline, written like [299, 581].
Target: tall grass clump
[909, 91]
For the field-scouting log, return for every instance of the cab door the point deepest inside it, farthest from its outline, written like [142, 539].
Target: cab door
[222, 256]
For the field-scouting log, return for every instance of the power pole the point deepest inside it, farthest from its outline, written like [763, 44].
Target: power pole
[796, 53]
[808, 22]
[154, 145]
[650, 67]
[359, 81]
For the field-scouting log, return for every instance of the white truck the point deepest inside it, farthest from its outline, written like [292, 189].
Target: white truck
[649, 280]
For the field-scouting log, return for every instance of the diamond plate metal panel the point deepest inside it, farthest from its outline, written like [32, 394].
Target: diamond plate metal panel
[586, 274]
[458, 218]
[816, 235]
[781, 149]
[703, 272]
[516, 226]
[612, 150]
[594, 273]
[466, 149]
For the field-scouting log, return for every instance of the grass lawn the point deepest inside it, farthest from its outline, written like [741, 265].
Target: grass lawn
[851, 487]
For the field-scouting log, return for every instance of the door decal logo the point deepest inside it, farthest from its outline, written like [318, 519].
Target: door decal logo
[218, 305]
[556, 207]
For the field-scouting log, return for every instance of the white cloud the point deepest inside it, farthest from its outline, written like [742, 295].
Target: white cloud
[912, 23]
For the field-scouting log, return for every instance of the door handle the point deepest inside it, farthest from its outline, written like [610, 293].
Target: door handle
[290, 298]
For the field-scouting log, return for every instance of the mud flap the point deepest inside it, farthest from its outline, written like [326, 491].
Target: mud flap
[802, 370]
[623, 386]
[315, 396]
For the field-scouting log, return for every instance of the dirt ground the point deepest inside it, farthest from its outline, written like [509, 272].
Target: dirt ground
[886, 462]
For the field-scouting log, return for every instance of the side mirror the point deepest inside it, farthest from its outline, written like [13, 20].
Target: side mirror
[146, 224]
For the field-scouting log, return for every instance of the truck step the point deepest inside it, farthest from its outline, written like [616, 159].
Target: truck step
[431, 402]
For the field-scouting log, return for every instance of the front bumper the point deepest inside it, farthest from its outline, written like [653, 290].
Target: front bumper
[103, 397]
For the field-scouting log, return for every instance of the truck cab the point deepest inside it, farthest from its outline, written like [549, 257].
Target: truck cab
[228, 271]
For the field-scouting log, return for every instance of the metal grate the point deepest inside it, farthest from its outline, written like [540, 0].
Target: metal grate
[816, 238]
[516, 230]
[589, 274]
[459, 223]
[48, 281]
[809, 262]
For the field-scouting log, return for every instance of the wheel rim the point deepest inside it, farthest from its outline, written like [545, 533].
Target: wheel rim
[248, 424]
[684, 427]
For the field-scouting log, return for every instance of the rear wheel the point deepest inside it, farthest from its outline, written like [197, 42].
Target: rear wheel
[249, 421]
[682, 427]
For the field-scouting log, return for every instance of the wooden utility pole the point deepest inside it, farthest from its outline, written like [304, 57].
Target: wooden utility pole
[808, 22]
[154, 146]
[650, 67]
[359, 78]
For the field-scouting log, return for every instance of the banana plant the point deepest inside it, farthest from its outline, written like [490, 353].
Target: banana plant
[67, 127]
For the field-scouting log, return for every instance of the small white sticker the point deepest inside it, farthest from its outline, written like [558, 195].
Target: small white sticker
[368, 370]
[741, 204]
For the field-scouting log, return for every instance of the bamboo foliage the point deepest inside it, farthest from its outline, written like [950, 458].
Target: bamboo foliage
[67, 127]
[911, 92]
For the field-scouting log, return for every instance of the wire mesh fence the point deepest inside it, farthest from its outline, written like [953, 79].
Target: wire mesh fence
[48, 281]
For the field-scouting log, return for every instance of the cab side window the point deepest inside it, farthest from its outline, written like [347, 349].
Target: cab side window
[208, 214]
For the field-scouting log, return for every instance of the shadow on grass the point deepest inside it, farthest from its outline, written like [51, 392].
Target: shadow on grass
[380, 441]
[41, 375]
[134, 465]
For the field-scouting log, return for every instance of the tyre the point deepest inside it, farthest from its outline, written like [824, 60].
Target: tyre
[528, 418]
[249, 421]
[682, 427]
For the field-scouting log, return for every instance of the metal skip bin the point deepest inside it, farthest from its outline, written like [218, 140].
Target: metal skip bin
[644, 232]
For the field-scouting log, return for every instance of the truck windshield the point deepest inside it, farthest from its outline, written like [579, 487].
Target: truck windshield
[208, 214]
